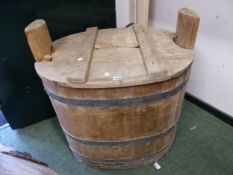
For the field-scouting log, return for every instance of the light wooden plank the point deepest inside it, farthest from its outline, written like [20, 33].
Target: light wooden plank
[10, 165]
[153, 64]
[141, 12]
[81, 64]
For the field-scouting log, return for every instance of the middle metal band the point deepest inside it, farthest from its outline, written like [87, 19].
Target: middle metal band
[136, 141]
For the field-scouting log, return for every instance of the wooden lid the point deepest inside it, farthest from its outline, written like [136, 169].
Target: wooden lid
[115, 58]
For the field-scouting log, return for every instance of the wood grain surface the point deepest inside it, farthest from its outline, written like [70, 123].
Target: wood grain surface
[141, 12]
[187, 27]
[10, 165]
[81, 64]
[39, 40]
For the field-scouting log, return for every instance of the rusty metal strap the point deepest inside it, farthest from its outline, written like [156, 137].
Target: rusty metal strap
[116, 102]
[135, 141]
[149, 156]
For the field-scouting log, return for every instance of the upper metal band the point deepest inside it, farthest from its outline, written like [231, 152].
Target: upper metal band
[116, 102]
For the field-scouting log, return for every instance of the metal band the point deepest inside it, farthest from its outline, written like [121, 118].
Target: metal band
[140, 140]
[116, 102]
[154, 155]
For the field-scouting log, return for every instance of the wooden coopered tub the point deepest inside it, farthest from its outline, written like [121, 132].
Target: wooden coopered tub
[119, 127]
[117, 92]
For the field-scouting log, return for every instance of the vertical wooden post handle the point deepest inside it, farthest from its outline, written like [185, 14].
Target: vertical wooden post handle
[39, 40]
[186, 29]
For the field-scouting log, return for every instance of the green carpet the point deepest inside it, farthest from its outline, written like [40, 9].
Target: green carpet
[203, 146]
